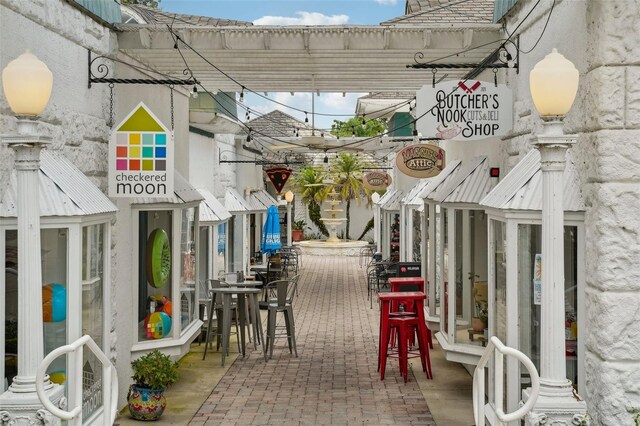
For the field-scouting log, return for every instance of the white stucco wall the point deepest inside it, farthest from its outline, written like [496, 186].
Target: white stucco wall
[600, 38]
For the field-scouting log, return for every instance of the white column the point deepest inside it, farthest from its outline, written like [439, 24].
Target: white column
[20, 404]
[556, 403]
[289, 242]
[376, 226]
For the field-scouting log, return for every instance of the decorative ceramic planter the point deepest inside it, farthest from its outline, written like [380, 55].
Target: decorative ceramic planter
[296, 234]
[146, 404]
[477, 324]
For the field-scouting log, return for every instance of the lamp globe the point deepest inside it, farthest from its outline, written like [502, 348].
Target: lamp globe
[553, 83]
[375, 197]
[288, 196]
[27, 83]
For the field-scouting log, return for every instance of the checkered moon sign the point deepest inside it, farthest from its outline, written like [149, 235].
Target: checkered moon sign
[278, 177]
[141, 156]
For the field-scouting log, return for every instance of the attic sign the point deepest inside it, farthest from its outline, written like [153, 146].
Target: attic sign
[464, 110]
[376, 181]
[420, 160]
[141, 156]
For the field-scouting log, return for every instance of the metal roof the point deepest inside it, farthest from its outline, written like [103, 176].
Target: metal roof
[278, 124]
[466, 184]
[159, 17]
[64, 190]
[393, 202]
[445, 11]
[436, 181]
[386, 196]
[183, 193]
[234, 203]
[413, 196]
[211, 210]
[521, 189]
[262, 199]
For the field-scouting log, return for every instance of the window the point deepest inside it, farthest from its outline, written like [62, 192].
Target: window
[188, 309]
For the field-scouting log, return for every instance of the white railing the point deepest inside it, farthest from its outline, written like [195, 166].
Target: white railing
[109, 382]
[496, 348]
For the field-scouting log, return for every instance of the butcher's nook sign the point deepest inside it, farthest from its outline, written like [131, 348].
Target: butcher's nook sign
[464, 110]
[420, 161]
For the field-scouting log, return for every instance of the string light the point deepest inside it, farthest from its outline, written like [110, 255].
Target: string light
[194, 92]
[306, 118]
[297, 132]
[364, 122]
[249, 136]
[326, 159]
[242, 95]
[248, 114]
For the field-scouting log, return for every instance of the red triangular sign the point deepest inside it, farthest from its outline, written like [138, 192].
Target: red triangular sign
[278, 177]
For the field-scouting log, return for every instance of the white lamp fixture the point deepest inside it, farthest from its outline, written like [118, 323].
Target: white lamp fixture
[375, 197]
[288, 196]
[27, 84]
[553, 83]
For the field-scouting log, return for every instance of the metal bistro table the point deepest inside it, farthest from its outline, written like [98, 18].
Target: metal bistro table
[227, 295]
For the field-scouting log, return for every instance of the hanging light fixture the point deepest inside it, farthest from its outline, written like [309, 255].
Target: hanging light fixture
[242, 95]
[194, 91]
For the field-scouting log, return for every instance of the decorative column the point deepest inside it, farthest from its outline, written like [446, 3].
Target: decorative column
[375, 197]
[289, 198]
[20, 403]
[553, 83]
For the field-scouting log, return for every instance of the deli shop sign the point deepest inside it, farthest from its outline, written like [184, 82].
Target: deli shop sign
[376, 181]
[464, 110]
[420, 161]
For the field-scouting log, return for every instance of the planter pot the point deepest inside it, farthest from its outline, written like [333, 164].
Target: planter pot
[296, 234]
[476, 324]
[146, 404]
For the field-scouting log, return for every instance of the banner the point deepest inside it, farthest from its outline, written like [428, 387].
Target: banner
[141, 156]
[278, 177]
[464, 110]
[376, 181]
[421, 160]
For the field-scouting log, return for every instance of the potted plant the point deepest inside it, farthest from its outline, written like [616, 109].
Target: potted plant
[297, 230]
[152, 374]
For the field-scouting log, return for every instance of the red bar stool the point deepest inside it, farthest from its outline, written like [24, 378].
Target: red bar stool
[407, 327]
[416, 323]
[407, 284]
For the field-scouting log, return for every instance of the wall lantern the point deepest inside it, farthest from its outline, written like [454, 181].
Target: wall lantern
[553, 83]
[27, 84]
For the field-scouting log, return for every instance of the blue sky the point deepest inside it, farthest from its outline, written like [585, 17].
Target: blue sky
[285, 12]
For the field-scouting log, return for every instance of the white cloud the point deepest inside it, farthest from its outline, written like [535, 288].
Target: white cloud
[304, 18]
[339, 103]
[390, 2]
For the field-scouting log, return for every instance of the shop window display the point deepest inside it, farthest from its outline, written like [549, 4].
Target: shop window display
[417, 236]
[395, 238]
[188, 268]
[155, 310]
[221, 252]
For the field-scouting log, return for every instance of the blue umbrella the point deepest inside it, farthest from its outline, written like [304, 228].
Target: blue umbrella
[271, 232]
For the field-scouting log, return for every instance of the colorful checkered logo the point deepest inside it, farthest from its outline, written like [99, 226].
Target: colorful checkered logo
[141, 151]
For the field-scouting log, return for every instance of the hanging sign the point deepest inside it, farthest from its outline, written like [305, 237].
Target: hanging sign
[421, 160]
[278, 177]
[376, 181]
[141, 156]
[464, 110]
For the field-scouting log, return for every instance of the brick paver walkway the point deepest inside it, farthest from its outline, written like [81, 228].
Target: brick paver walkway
[334, 379]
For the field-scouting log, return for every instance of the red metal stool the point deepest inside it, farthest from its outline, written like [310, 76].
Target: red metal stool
[399, 284]
[407, 326]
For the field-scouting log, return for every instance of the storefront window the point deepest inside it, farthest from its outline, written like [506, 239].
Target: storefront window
[92, 315]
[155, 286]
[221, 253]
[394, 246]
[530, 262]
[188, 268]
[417, 236]
[500, 268]
[444, 270]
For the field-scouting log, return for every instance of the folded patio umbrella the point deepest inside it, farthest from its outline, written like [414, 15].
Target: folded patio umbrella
[271, 232]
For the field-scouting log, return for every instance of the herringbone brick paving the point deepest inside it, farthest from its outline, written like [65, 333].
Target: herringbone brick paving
[334, 379]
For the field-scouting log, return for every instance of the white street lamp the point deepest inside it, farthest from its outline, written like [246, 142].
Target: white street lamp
[553, 83]
[27, 84]
[375, 197]
[288, 196]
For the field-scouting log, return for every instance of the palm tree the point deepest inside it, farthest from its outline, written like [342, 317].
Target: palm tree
[347, 172]
[308, 183]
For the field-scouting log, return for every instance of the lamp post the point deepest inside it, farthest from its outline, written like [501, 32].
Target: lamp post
[289, 198]
[553, 84]
[375, 197]
[27, 84]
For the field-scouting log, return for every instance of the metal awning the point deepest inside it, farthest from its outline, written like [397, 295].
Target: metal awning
[413, 196]
[212, 212]
[183, 193]
[440, 180]
[468, 184]
[389, 193]
[521, 189]
[64, 190]
[262, 199]
[341, 58]
[235, 204]
[393, 202]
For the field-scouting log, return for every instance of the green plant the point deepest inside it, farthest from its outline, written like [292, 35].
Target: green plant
[636, 415]
[367, 228]
[298, 225]
[154, 370]
[482, 311]
[347, 172]
[308, 183]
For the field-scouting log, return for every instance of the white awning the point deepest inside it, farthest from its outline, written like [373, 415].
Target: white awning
[521, 189]
[413, 196]
[235, 204]
[468, 184]
[183, 192]
[212, 212]
[262, 199]
[64, 190]
[440, 180]
[393, 202]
